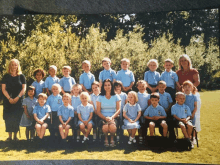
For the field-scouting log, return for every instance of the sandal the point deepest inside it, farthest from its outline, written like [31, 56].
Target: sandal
[112, 143]
[106, 143]
[8, 139]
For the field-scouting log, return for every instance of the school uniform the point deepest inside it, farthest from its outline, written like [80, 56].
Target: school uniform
[123, 97]
[94, 98]
[131, 112]
[39, 86]
[152, 78]
[41, 111]
[85, 112]
[126, 77]
[107, 74]
[165, 100]
[190, 101]
[75, 102]
[143, 102]
[66, 83]
[65, 112]
[86, 79]
[50, 81]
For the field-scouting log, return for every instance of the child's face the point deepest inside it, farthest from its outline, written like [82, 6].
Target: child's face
[125, 65]
[39, 76]
[131, 99]
[187, 89]
[66, 100]
[76, 91]
[41, 101]
[161, 88]
[106, 65]
[180, 99]
[154, 101]
[66, 72]
[107, 86]
[152, 66]
[55, 90]
[31, 93]
[52, 72]
[84, 99]
[86, 67]
[118, 88]
[95, 88]
[168, 66]
[141, 87]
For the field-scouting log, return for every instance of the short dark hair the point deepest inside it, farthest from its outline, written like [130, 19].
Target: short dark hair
[30, 88]
[103, 90]
[39, 70]
[155, 95]
[118, 83]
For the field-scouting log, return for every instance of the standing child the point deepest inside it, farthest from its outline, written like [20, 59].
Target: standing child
[39, 83]
[52, 79]
[65, 113]
[170, 77]
[27, 119]
[107, 73]
[87, 78]
[152, 77]
[67, 81]
[85, 112]
[54, 101]
[126, 76]
[132, 113]
[41, 113]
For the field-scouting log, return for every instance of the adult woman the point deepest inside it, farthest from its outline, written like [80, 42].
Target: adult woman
[186, 72]
[108, 108]
[13, 88]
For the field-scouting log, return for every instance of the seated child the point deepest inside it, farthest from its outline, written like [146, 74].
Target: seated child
[41, 113]
[27, 119]
[67, 81]
[152, 77]
[182, 114]
[132, 113]
[85, 112]
[87, 78]
[65, 113]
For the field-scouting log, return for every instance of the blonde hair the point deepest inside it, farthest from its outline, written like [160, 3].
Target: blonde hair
[77, 86]
[86, 62]
[187, 58]
[56, 85]
[133, 93]
[152, 60]
[141, 82]
[42, 95]
[125, 60]
[169, 60]
[106, 59]
[19, 72]
[162, 82]
[67, 95]
[85, 94]
[54, 67]
[187, 82]
[66, 67]
[179, 94]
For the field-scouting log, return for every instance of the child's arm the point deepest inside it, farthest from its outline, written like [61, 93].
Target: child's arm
[90, 117]
[149, 86]
[84, 88]
[178, 85]
[169, 107]
[80, 118]
[36, 119]
[126, 117]
[138, 116]
[68, 120]
[100, 83]
[26, 112]
[95, 111]
[61, 120]
[149, 118]
[182, 120]
[195, 109]
[48, 92]
[62, 90]
[45, 117]
[129, 87]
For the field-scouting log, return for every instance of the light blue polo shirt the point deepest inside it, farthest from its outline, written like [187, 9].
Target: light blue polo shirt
[123, 97]
[66, 83]
[85, 111]
[86, 79]
[39, 86]
[54, 102]
[94, 99]
[126, 77]
[143, 100]
[41, 111]
[50, 81]
[190, 101]
[75, 101]
[132, 110]
[155, 111]
[152, 78]
[107, 74]
[170, 78]
[165, 100]
[65, 112]
[30, 103]
[181, 111]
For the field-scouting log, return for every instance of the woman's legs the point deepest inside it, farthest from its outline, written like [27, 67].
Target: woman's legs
[112, 130]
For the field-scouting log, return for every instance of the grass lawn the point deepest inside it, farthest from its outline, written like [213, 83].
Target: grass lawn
[208, 151]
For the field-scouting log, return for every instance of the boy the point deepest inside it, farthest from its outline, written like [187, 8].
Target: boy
[107, 73]
[87, 78]
[182, 114]
[67, 81]
[52, 79]
[126, 76]
[170, 77]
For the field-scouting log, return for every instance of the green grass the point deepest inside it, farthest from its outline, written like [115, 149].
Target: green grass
[208, 151]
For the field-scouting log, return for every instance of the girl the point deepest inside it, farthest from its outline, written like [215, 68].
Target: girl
[132, 113]
[39, 83]
[85, 113]
[27, 117]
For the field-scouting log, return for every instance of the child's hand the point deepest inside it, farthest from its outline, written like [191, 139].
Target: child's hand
[28, 116]
[131, 121]
[156, 117]
[64, 125]
[184, 121]
[108, 119]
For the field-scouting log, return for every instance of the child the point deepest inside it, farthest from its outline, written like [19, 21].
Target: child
[39, 83]
[156, 115]
[65, 113]
[27, 119]
[85, 112]
[182, 114]
[170, 77]
[126, 76]
[41, 113]
[67, 81]
[132, 113]
[87, 78]
[152, 77]
[54, 101]
[107, 73]
[52, 79]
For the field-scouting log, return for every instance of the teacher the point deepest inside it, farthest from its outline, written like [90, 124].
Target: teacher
[13, 89]
[108, 108]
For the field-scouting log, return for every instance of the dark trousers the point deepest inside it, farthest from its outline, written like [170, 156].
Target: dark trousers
[172, 92]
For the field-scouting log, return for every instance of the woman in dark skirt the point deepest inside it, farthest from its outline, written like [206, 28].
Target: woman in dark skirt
[13, 88]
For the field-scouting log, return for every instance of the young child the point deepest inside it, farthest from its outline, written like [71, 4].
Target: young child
[27, 119]
[107, 73]
[41, 113]
[182, 114]
[65, 113]
[52, 79]
[131, 113]
[39, 83]
[126, 76]
[67, 81]
[54, 101]
[156, 115]
[152, 77]
[170, 77]
[85, 112]
[87, 78]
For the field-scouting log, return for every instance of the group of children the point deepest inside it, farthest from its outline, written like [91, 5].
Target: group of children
[151, 106]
